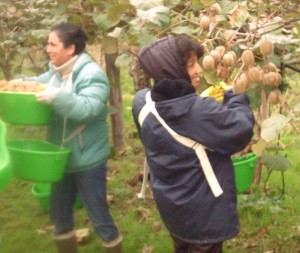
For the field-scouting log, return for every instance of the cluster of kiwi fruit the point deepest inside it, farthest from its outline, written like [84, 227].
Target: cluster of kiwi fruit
[209, 16]
[21, 86]
[223, 61]
[268, 74]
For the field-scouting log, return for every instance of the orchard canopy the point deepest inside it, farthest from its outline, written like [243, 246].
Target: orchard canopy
[251, 45]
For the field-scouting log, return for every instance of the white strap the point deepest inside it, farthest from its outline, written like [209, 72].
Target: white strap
[200, 151]
[208, 170]
[77, 131]
[143, 114]
[69, 83]
[142, 193]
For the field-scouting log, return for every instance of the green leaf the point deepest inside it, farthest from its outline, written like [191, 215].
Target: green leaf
[255, 101]
[146, 39]
[75, 19]
[93, 3]
[40, 34]
[275, 28]
[239, 15]
[276, 162]
[210, 76]
[115, 13]
[182, 30]
[48, 22]
[23, 50]
[157, 15]
[297, 108]
[272, 126]
[117, 33]
[109, 45]
[8, 43]
[102, 21]
[275, 148]
[207, 3]
[58, 11]
[123, 60]
[124, 1]
[146, 5]
[259, 147]
[112, 110]
[196, 5]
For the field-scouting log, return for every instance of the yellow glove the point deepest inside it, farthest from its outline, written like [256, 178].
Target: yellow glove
[216, 91]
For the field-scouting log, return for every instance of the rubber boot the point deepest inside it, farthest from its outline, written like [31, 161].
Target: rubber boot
[114, 246]
[66, 243]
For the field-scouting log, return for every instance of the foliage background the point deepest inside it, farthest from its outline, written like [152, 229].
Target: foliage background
[268, 224]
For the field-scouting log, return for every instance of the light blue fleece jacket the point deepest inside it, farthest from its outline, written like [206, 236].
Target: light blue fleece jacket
[86, 105]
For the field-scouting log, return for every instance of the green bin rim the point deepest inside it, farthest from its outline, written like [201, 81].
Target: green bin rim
[244, 158]
[63, 150]
[19, 92]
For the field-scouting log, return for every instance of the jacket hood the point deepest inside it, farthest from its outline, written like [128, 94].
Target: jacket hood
[162, 60]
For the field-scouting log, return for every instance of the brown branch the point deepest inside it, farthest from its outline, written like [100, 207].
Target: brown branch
[294, 127]
[171, 26]
[293, 61]
[283, 23]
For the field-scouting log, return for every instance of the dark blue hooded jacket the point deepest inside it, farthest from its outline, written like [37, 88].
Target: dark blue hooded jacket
[184, 199]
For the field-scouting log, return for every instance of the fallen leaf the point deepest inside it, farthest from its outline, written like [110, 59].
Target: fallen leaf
[144, 213]
[82, 235]
[156, 226]
[147, 249]
[110, 198]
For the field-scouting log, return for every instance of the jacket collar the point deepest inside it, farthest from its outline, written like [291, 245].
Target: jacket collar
[169, 89]
[66, 69]
[82, 60]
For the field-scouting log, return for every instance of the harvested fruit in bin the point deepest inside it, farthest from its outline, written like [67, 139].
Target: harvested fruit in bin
[21, 86]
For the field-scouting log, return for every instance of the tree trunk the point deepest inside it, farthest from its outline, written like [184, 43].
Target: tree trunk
[115, 100]
[5, 65]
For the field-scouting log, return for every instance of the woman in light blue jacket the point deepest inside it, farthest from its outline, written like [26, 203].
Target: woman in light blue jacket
[78, 90]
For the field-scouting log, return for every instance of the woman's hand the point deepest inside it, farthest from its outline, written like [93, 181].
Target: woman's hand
[48, 94]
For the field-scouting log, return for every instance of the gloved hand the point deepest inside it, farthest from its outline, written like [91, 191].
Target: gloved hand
[48, 94]
[216, 91]
[225, 86]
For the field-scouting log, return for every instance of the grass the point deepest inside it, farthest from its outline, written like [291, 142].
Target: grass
[267, 224]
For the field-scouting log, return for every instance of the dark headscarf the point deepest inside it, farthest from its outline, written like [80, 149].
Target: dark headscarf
[162, 60]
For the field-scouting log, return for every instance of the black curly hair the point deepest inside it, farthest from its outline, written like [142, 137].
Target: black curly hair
[71, 34]
[188, 46]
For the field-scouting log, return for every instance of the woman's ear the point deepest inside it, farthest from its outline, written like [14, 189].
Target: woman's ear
[71, 49]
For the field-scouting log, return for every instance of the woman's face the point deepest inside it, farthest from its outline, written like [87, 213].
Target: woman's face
[194, 70]
[57, 53]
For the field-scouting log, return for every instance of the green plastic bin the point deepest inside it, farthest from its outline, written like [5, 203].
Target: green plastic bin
[5, 165]
[244, 170]
[42, 192]
[17, 108]
[37, 161]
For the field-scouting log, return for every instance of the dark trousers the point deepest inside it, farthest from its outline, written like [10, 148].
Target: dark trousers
[185, 247]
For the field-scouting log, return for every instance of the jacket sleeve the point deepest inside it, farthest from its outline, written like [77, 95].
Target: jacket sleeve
[138, 102]
[225, 129]
[43, 78]
[89, 101]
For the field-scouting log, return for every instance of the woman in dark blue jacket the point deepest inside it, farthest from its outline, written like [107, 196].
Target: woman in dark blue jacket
[197, 220]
